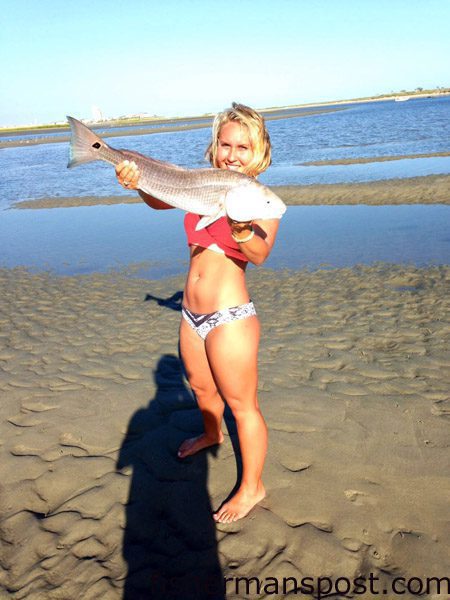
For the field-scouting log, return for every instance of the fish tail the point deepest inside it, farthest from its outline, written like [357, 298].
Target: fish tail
[84, 144]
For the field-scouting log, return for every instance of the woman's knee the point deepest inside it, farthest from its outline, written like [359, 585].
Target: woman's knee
[243, 407]
[204, 391]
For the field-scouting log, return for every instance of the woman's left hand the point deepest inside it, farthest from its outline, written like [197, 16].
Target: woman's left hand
[240, 228]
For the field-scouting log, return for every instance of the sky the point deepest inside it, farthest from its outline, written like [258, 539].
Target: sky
[191, 57]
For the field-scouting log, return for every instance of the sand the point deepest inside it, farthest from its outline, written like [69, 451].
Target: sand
[354, 385]
[430, 189]
[371, 159]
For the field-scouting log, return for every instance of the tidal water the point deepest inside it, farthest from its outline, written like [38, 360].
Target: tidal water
[152, 243]
[360, 130]
[63, 239]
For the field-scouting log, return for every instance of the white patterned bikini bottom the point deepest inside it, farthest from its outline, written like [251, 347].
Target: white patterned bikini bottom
[204, 323]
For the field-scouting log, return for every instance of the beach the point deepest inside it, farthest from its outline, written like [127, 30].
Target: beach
[354, 385]
[354, 374]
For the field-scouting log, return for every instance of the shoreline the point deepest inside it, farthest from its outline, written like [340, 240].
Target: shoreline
[21, 130]
[429, 189]
[138, 128]
[366, 100]
[131, 130]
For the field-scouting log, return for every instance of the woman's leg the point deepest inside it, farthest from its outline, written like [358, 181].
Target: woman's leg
[232, 351]
[200, 378]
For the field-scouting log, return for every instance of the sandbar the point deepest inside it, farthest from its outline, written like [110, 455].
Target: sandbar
[430, 189]
[371, 159]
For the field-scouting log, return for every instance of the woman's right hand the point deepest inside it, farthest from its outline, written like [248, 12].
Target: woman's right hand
[127, 174]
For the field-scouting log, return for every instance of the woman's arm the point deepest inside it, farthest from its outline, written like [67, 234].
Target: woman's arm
[258, 248]
[128, 176]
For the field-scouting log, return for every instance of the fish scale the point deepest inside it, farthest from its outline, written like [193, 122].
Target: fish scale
[211, 193]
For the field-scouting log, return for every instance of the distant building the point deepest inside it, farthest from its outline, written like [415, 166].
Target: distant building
[97, 114]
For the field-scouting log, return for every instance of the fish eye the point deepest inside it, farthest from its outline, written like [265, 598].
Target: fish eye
[96, 145]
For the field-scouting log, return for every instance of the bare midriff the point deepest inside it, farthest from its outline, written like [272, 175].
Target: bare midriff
[214, 282]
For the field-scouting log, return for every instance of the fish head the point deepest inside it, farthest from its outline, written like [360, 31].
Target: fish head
[251, 201]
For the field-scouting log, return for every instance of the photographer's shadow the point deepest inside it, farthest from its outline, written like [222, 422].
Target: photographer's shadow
[169, 539]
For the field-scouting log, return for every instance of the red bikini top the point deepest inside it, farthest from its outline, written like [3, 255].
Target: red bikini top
[218, 233]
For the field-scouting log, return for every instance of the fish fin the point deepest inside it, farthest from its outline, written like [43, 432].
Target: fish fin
[209, 219]
[82, 148]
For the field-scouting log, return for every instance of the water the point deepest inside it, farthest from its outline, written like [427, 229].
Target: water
[41, 171]
[408, 167]
[366, 130]
[361, 130]
[104, 238]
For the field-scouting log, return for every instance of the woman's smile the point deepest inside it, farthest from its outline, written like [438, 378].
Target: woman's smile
[234, 151]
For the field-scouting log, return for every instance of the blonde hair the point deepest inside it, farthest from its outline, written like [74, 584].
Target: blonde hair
[257, 132]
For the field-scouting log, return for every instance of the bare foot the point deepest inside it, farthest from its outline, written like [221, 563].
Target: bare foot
[240, 505]
[195, 444]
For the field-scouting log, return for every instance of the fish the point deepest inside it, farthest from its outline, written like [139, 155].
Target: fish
[208, 192]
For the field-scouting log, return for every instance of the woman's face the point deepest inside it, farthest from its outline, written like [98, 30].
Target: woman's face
[234, 150]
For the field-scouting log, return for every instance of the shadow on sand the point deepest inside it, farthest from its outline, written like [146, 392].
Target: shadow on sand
[170, 539]
[173, 302]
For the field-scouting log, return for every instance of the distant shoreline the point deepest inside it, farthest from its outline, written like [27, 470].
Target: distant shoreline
[172, 121]
[141, 129]
[367, 100]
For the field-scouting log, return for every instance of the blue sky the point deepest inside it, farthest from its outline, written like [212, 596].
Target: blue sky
[184, 57]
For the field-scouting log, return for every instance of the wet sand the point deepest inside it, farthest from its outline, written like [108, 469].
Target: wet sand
[431, 189]
[371, 159]
[354, 385]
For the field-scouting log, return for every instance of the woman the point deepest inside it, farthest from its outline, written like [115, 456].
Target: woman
[219, 332]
